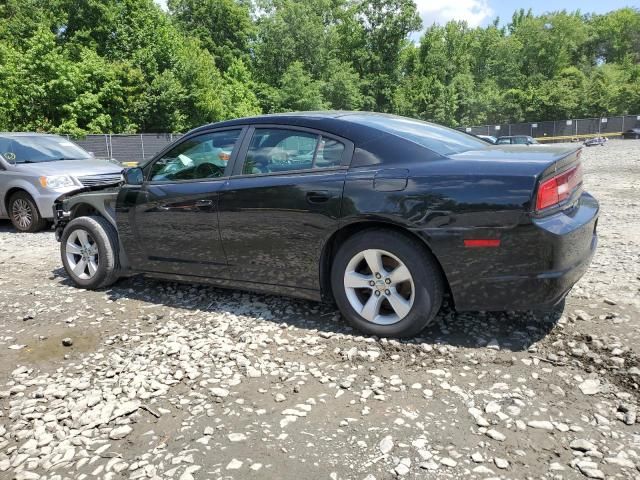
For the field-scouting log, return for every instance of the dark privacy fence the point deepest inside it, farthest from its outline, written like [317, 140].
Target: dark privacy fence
[139, 147]
[126, 148]
[576, 127]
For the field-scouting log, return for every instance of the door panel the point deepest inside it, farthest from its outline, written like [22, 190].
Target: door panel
[273, 227]
[170, 223]
[176, 227]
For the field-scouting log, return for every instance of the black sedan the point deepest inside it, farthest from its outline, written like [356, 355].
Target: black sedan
[516, 140]
[632, 134]
[382, 214]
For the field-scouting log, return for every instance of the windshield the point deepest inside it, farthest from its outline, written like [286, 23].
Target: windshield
[39, 148]
[436, 138]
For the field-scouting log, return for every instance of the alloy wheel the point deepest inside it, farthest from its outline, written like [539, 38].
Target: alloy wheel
[22, 213]
[379, 286]
[82, 254]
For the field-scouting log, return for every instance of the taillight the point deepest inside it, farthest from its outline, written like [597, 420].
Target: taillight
[553, 191]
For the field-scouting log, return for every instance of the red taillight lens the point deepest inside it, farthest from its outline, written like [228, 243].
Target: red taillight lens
[559, 188]
[481, 242]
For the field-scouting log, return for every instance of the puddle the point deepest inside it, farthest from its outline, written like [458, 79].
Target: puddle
[51, 348]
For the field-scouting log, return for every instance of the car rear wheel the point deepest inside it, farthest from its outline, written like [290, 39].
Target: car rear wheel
[386, 284]
[24, 213]
[89, 248]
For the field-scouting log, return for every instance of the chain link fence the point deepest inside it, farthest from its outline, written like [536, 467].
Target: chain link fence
[126, 148]
[562, 129]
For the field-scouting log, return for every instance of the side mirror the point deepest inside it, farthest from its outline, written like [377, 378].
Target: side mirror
[133, 176]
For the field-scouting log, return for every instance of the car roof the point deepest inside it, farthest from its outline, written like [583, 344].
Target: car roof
[332, 121]
[27, 134]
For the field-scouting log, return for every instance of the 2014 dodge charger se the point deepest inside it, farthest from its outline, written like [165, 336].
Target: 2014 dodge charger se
[382, 214]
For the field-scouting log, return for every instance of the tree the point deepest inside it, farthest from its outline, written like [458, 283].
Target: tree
[224, 27]
[298, 91]
[238, 97]
[373, 35]
[293, 31]
[617, 35]
[128, 66]
[342, 87]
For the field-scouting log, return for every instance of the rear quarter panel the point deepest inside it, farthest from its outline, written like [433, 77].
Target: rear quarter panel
[446, 201]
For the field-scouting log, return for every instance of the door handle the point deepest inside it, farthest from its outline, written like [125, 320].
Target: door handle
[318, 196]
[204, 203]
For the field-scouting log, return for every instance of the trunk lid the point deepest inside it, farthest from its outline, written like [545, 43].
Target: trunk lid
[536, 160]
[542, 162]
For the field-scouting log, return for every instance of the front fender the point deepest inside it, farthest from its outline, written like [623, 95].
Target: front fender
[10, 187]
[70, 206]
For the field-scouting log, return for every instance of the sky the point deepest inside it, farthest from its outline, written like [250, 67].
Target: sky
[482, 12]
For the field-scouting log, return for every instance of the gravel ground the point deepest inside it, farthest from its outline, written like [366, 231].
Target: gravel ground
[177, 381]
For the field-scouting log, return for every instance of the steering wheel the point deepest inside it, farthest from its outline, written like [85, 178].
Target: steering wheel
[283, 158]
[208, 170]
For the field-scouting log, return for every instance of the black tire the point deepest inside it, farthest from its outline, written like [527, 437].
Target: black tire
[106, 239]
[20, 201]
[427, 280]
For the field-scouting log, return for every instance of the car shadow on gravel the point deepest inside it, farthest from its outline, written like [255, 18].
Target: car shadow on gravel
[6, 226]
[512, 331]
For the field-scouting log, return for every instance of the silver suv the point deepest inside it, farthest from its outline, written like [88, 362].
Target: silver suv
[36, 168]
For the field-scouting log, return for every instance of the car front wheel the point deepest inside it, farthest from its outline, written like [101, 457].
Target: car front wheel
[24, 213]
[89, 248]
[386, 284]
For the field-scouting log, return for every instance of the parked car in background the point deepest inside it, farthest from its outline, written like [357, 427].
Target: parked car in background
[517, 140]
[595, 142]
[488, 138]
[37, 168]
[632, 134]
[382, 214]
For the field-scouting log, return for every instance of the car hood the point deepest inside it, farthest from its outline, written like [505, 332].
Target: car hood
[74, 168]
[521, 159]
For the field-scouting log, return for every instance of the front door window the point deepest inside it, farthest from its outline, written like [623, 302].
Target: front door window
[200, 157]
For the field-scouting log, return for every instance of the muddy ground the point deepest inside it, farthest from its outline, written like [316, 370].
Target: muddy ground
[164, 380]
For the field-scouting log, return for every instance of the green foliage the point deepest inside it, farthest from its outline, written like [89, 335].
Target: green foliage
[291, 31]
[298, 91]
[87, 66]
[343, 86]
[557, 65]
[223, 27]
[238, 97]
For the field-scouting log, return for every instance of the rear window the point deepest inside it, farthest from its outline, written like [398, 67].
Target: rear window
[439, 139]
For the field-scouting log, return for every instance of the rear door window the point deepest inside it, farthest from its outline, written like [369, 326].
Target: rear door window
[274, 150]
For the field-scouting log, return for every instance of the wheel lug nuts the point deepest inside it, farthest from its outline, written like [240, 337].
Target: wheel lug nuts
[387, 292]
[377, 293]
[387, 281]
[372, 283]
[378, 275]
